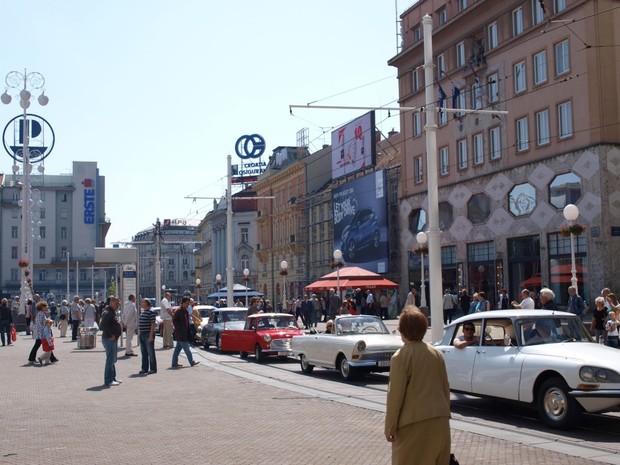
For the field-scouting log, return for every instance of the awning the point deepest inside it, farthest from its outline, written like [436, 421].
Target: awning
[351, 283]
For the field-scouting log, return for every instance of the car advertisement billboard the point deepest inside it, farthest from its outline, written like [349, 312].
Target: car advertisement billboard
[360, 222]
[353, 146]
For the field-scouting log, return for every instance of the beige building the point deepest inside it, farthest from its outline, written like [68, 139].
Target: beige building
[504, 180]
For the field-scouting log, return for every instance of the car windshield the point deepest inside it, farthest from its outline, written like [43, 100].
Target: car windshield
[205, 313]
[276, 323]
[360, 325]
[550, 330]
[231, 316]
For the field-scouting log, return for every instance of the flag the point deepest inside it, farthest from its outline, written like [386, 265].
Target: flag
[455, 96]
[542, 5]
[442, 98]
[479, 92]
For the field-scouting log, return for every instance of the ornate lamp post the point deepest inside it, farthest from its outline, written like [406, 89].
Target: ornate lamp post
[246, 278]
[218, 284]
[337, 258]
[422, 239]
[284, 272]
[34, 80]
[571, 213]
[197, 290]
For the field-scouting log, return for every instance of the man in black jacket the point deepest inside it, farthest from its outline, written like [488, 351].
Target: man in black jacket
[181, 334]
[111, 331]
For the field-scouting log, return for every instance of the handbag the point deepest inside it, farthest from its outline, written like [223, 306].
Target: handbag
[13, 334]
[47, 347]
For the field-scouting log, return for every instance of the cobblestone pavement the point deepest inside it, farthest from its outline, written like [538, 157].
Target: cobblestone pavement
[62, 414]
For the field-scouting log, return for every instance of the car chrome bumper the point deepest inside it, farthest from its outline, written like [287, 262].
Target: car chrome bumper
[368, 363]
[597, 393]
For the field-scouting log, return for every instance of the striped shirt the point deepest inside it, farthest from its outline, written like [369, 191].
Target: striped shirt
[147, 317]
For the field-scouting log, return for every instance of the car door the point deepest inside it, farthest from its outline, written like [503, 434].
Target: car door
[497, 366]
[460, 362]
[324, 349]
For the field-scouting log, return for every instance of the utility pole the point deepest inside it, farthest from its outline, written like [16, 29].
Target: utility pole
[157, 262]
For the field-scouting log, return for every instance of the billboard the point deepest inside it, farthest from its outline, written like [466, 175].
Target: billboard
[360, 222]
[353, 146]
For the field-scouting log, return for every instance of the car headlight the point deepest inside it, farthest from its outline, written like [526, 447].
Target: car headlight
[267, 338]
[598, 375]
[360, 346]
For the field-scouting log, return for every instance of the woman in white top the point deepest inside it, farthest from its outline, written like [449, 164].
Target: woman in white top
[90, 313]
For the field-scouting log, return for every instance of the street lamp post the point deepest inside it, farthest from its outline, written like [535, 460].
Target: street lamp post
[246, 277]
[422, 239]
[218, 284]
[337, 258]
[198, 290]
[284, 272]
[571, 213]
[34, 80]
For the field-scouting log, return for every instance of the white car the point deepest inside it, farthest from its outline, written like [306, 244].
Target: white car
[540, 357]
[361, 343]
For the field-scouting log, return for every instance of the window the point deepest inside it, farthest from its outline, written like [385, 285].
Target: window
[13, 252]
[417, 168]
[417, 34]
[42, 196]
[14, 275]
[245, 262]
[519, 77]
[14, 213]
[493, 87]
[517, 21]
[444, 161]
[443, 16]
[441, 65]
[63, 213]
[559, 5]
[415, 80]
[417, 123]
[460, 54]
[564, 189]
[540, 67]
[446, 215]
[63, 252]
[462, 5]
[495, 143]
[493, 36]
[185, 262]
[185, 275]
[522, 199]
[460, 101]
[42, 213]
[538, 15]
[443, 117]
[245, 235]
[542, 127]
[478, 146]
[476, 95]
[42, 275]
[522, 135]
[170, 275]
[63, 198]
[41, 252]
[478, 208]
[13, 232]
[63, 232]
[58, 275]
[42, 232]
[565, 120]
[562, 64]
[171, 262]
[417, 221]
[461, 147]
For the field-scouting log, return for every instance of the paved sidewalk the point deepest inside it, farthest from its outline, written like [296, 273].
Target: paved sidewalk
[63, 414]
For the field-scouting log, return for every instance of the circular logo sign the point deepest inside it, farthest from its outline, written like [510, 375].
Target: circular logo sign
[252, 146]
[40, 138]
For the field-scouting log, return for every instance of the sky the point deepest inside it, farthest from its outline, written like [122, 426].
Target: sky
[158, 91]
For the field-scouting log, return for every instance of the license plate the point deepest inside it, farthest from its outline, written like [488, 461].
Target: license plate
[383, 363]
[282, 354]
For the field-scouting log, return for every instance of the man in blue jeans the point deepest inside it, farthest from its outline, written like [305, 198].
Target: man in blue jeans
[111, 331]
[146, 327]
[181, 334]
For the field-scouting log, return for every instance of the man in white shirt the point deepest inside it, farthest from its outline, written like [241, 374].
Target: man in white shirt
[166, 316]
[130, 322]
[526, 301]
[370, 300]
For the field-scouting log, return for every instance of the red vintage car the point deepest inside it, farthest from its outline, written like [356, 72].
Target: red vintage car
[264, 334]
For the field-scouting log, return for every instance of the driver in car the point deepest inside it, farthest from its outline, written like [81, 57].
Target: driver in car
[468, 338]
[541, 332]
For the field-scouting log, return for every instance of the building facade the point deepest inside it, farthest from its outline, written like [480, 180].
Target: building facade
[70, 222]
[504, 180]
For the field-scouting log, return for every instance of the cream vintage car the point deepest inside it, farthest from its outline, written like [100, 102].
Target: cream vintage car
[539, 357]
[360, 343]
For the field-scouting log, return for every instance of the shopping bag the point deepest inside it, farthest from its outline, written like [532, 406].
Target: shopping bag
[13, 334]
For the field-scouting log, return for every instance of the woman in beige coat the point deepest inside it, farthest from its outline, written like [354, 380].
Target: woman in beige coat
[418, 399]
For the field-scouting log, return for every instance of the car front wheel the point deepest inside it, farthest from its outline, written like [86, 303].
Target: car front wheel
[555, 406]
[258, 354]
[218, 343]
[243, 354]
[205, 343]
[346, 370]
[305, 366]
